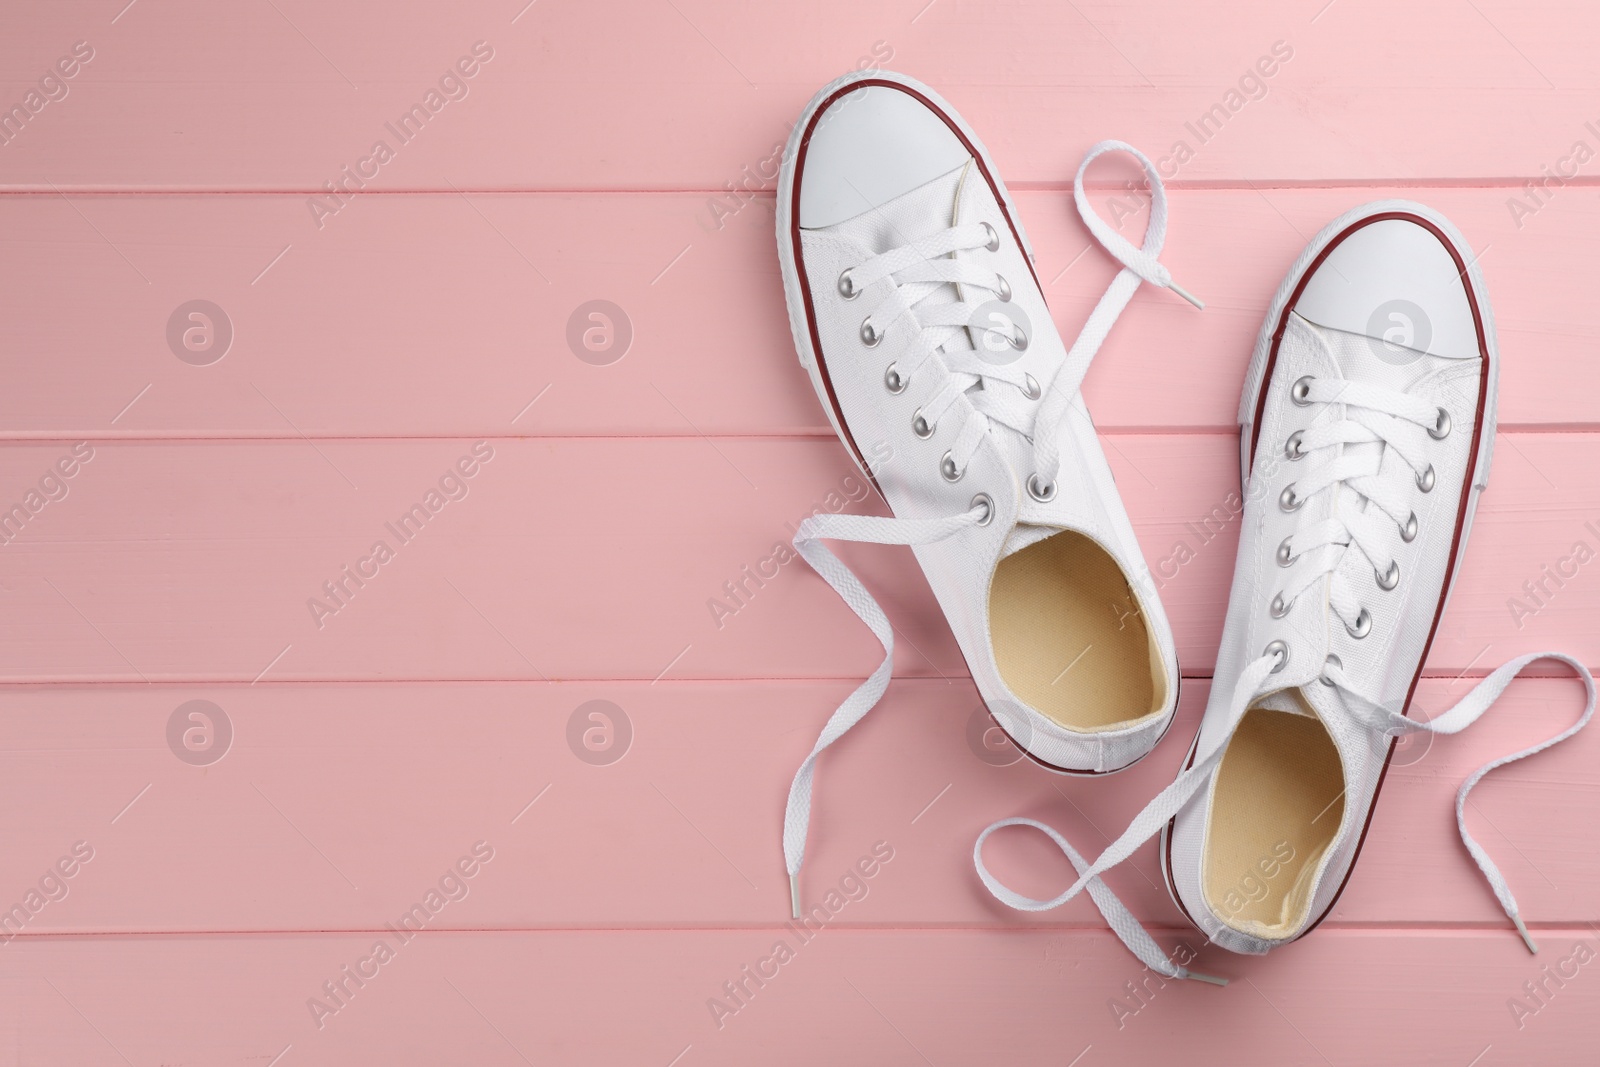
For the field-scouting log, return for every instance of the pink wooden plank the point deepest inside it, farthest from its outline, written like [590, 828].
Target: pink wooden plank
[339, 807]
[444, 316]
[284, 95]
[844, 996]
[604, 558]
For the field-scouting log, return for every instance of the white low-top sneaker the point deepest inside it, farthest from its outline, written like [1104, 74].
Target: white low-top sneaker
[918, 315]
[1367, 429]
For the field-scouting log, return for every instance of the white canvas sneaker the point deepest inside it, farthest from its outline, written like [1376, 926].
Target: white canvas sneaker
[918, 315]
[1367, 430]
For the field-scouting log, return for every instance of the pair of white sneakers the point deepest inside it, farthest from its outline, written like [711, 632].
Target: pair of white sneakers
[1367, 424]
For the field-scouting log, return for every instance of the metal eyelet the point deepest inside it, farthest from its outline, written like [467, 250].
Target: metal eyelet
[1031, 388]
[947, 467]
[1003, 289]
[892, 380]
[1408, 531]
[1333, 661]
[1281, 651]
[870, 334]
[1279, 608]
[1288, 500]
[1425, 480]
[1363, 625]
[994, 238]
[1042, 493]
[1291, 447]
[1300, 391]
[1019, 342]
[1390, 578]
[847, 286]
[1441, 426]
[1286, 554]
[987, 503]
[921, 426]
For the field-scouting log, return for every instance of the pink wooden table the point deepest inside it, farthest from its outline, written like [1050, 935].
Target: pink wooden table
[242, 345]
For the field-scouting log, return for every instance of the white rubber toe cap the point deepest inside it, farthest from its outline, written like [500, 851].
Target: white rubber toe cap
[1394, 280]
[870, 147]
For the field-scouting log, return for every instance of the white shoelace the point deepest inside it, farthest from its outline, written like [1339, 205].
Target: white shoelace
[1400, 426]
[919, 270]
[1390, 433]
[1167, 803]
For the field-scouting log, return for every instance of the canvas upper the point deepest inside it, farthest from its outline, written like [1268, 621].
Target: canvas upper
[1382, 276]
[917, 312]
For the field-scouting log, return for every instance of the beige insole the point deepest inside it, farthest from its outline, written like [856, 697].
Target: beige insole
[1069, 638]
[1278, 801]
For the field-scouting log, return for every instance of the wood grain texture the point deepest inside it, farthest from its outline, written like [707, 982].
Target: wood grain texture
[687, 95]
[447, 315]
[626, 559]
[848, 996]
[339, 807]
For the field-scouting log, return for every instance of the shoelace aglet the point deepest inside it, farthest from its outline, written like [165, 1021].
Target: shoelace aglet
[1181, 291]
[1208, 978]
[1523, 930]
[794, 893]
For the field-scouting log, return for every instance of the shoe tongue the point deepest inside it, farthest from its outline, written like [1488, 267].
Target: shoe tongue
[924, 211]
[1293, 702]
[920, 213]
[1024, 534]
[1367, 359]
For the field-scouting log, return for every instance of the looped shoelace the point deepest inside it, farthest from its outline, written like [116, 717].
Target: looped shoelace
[1167, 803]
[919, 270]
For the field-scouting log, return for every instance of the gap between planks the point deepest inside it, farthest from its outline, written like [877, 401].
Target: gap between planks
[1487, 930]
[819, 433]
[1064, 186]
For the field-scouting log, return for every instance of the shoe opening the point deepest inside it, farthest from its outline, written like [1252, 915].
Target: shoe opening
[1069, 637]
[1276, 806]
